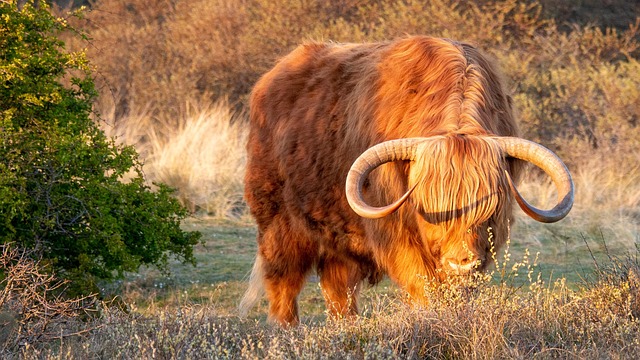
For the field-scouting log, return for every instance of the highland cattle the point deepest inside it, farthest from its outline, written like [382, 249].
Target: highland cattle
[396, 158]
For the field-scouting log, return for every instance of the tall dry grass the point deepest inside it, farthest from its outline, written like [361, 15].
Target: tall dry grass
[201, 155]
[605, 215]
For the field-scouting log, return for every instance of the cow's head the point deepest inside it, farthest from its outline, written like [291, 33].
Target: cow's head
[461, 190]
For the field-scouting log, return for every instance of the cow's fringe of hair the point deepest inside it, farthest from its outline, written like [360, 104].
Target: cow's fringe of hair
[465, 184]
[256, 288]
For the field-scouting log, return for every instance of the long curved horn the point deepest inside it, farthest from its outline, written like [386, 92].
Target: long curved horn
[546, 160]
[388, 151]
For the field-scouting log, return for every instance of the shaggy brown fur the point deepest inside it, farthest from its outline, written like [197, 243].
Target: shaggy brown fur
[317, 111]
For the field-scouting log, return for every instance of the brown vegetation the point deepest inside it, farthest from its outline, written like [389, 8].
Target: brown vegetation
[576, 91]
[33, 307]
[496, 321]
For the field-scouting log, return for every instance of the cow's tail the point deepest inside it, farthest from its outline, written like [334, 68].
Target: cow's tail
[256, 287]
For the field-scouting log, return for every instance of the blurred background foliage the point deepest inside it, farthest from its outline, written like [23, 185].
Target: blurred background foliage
[572, 66]
[174, 75]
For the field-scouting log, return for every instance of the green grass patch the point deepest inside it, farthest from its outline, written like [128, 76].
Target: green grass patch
[228, 250]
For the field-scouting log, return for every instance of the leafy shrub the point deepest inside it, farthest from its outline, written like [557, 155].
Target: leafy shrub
[61, 188]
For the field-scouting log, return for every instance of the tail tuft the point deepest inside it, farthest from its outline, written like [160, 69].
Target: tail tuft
[255, 290]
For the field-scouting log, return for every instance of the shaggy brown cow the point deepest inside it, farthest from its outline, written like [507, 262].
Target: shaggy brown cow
[437, 113]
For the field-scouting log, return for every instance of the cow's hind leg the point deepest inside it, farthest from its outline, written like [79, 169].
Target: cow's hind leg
[282, 291]
[288, 255]
[340, 280]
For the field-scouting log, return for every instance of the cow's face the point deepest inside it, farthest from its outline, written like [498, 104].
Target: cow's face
[461, 190]
[458, 252]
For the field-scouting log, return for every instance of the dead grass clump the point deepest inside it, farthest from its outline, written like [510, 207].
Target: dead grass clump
[33, 308]
[202, 155]
[622, 271]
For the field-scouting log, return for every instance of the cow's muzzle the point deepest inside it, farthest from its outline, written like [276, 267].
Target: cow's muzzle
[462, 267]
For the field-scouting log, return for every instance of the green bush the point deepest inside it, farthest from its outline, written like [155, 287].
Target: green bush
[62, 191]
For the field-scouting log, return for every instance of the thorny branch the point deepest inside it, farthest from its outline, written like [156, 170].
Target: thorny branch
[34, 299]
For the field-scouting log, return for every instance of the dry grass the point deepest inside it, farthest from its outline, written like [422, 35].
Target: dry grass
[202, 155]
[509, 313]
[606, 205]
[492, 321]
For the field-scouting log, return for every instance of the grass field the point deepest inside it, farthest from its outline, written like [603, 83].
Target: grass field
[191, 313]
[228, 250]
